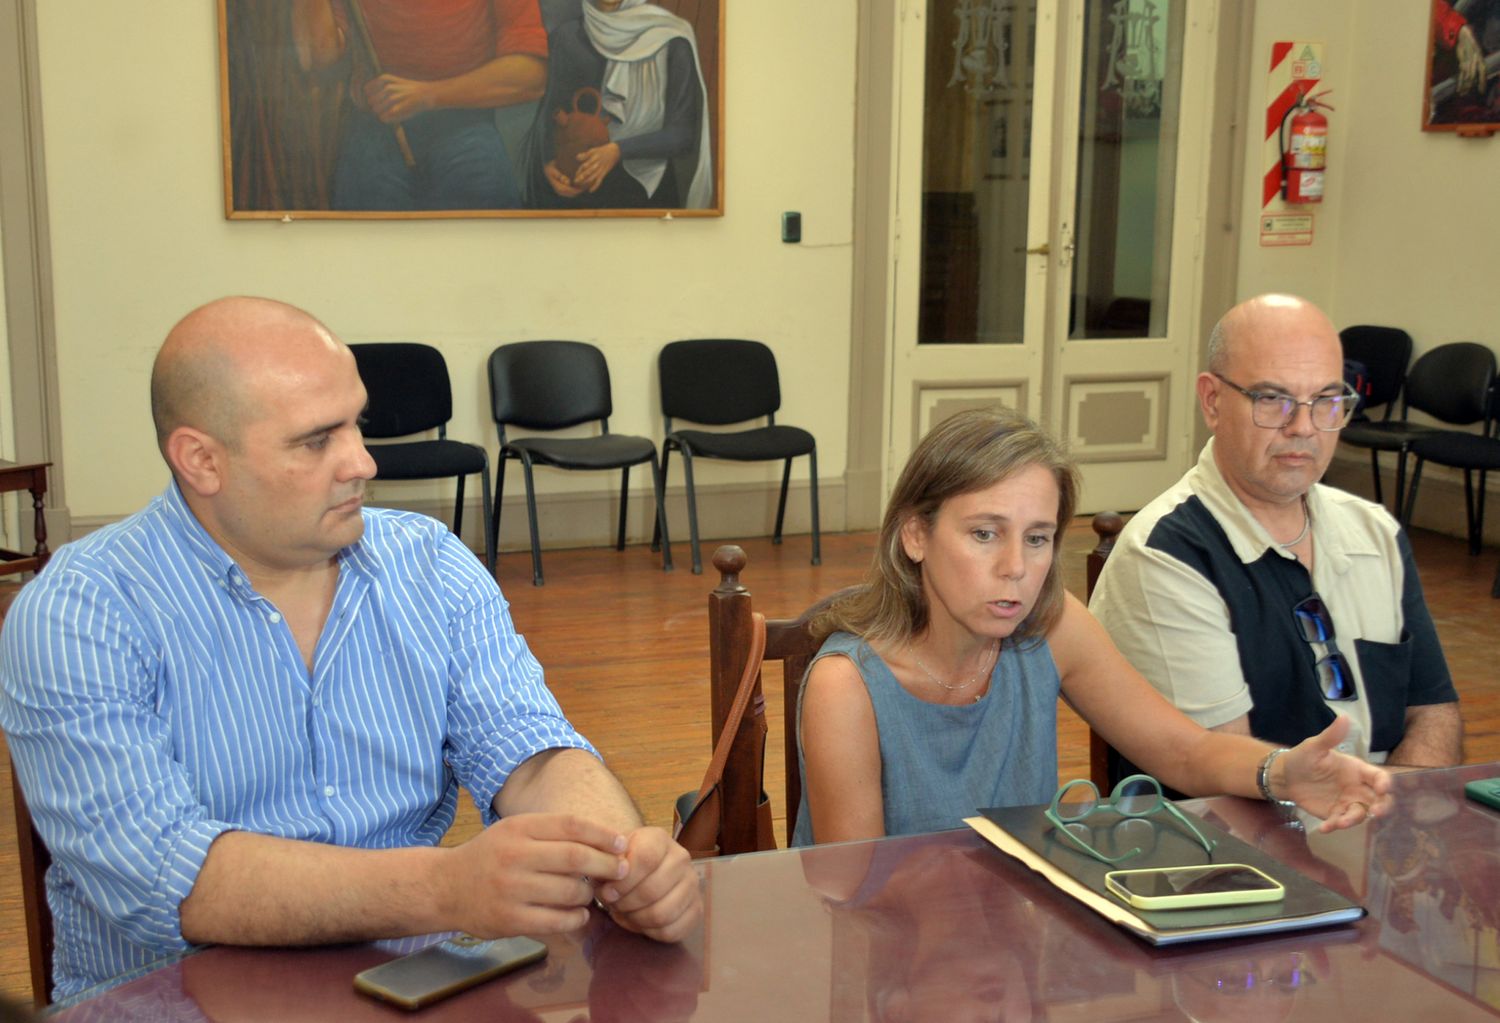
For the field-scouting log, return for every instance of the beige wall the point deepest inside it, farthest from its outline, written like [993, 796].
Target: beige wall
[9, 505]
[131, 108]
[7, 422]
[131, 113]
[1418, 246]
[1406, 235]
[1309, 270]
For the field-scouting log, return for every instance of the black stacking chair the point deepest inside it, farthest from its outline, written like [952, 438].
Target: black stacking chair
[1450, 383]
[410, 393]
[1385, 353]
[552, 385]
[1470, 398]
[718, 382]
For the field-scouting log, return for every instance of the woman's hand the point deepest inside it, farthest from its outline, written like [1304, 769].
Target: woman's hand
[595, 164]
[1341, 789]
[560, 182]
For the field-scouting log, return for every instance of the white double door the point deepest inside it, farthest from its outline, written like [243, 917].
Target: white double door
[1050, 201]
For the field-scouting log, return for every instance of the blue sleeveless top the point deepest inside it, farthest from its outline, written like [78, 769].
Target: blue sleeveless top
[939, 763]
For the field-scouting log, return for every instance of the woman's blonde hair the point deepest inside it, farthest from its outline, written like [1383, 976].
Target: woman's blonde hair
[970, 451]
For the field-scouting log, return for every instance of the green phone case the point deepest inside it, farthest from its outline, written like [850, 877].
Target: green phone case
[1485, 790]
[1115, 880]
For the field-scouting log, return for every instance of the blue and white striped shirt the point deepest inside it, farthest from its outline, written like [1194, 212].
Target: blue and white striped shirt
[153, 700]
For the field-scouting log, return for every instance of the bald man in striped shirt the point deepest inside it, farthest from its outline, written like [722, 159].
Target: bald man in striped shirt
[243, 714]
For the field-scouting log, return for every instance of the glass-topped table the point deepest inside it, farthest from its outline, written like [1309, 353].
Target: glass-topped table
[945, 927]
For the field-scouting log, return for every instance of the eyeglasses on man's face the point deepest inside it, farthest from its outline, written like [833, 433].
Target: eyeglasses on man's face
[1274, 410]
[1133, 798]
[1315, 625]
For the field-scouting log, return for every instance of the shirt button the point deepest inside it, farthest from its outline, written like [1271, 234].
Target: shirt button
[328, 791]
[273, 617]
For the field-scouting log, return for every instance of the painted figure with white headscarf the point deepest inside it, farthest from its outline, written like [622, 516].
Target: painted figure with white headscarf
[644, 61]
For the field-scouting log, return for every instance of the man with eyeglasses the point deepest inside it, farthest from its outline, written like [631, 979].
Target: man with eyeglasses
[1262, 602]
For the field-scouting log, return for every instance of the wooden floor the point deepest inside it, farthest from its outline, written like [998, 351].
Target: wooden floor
[625, 649]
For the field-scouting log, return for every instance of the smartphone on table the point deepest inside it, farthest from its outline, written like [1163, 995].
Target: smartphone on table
[1211, 884]
[1484, 790]
[446, 968]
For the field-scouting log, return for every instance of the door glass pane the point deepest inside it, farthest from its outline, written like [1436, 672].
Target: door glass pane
[976, 170]
[1127, 161]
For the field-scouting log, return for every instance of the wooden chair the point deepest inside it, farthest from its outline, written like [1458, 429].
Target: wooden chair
[1107, 526]
[789, 640]
[34, 860]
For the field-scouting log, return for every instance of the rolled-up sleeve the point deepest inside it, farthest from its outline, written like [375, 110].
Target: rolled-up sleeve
[500, 711]
[94, 758]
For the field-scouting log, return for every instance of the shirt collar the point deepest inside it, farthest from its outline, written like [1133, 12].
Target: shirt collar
[1247, 536]
[357, 557]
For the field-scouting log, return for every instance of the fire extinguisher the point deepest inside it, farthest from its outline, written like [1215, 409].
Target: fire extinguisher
[1304, 156]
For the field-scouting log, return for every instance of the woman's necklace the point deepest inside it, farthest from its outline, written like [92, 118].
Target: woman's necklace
[1306, 525]
[953, 687]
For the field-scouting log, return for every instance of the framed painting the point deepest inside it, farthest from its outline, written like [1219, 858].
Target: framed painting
[1462, 86]
[472, 108]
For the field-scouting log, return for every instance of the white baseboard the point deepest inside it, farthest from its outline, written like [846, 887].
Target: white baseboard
[725, 512]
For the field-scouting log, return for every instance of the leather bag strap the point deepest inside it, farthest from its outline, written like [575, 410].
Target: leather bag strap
[737, 709]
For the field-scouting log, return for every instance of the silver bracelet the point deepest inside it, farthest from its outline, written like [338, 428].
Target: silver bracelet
[1287, 807]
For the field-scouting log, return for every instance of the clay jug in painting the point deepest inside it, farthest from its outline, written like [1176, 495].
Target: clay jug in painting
[580, 130]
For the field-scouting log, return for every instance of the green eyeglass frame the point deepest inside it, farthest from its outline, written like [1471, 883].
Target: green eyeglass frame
[1123, 801]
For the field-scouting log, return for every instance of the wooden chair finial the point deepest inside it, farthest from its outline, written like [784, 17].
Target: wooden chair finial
[730, 561]
[1107, 526]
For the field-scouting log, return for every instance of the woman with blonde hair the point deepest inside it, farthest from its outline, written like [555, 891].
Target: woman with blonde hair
[935, 691]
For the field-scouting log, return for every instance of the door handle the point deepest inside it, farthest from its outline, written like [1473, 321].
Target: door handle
[1041, 250]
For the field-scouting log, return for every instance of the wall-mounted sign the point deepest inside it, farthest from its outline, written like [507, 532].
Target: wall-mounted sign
[1286, 229]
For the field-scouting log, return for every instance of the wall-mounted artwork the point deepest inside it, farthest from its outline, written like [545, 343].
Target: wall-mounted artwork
[1463, 68]
[472, 108]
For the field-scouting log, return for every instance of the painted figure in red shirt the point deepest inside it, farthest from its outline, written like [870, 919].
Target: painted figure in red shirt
[444, 67]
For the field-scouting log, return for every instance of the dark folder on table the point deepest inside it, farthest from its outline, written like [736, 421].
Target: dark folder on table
[1025, 833]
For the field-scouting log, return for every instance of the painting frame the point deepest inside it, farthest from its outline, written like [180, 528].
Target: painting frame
[286, 131]
[1450, 100]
